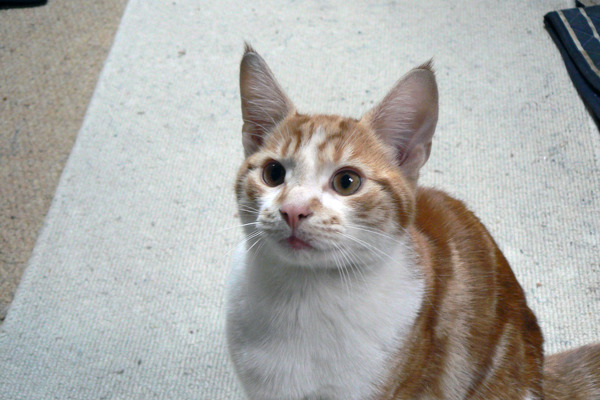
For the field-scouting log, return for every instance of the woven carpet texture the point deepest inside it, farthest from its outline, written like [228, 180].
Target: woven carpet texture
[50, 59]
[123, 295]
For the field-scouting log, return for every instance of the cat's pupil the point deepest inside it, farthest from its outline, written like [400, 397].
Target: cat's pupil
[346, 181]
[274, 174]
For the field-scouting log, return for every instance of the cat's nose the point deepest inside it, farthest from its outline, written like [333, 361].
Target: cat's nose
[294, 214]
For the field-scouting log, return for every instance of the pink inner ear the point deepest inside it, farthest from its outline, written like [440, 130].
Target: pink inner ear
[264, 104]
[406, 118]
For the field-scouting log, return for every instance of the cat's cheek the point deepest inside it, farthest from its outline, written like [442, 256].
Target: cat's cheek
[255, 192]
[269, 219]
[335, 209]
[369, 207]
[254, 189]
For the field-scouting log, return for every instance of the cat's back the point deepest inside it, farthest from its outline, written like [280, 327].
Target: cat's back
[451, 240]
[475, 333]
[454, 240]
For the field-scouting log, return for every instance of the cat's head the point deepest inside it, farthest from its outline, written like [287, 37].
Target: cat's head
[323, 190]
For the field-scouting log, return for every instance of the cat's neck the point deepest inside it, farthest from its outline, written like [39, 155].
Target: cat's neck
[271, 274]
[386, 293]
[347, 324]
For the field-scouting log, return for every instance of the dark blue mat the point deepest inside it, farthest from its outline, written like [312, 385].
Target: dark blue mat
[21, 3]
[576, 34]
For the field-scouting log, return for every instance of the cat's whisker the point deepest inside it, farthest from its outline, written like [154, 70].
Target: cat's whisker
[259, 248]
[338, 264]
[259, 235]
[355, 266]
[248, 211]
[345, 277]
[236, 226]
[247, 206]
[395, 241]
[374, 231]
[344, 268]
[367, 245]
[246, 239]
[354, 263]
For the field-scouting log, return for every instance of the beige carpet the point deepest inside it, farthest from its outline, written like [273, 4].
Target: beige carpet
[50, 59]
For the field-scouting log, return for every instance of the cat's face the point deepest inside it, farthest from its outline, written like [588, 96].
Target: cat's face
[327, 191]
[323, 191]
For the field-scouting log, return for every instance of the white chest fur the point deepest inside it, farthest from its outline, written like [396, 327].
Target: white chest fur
[299, 333]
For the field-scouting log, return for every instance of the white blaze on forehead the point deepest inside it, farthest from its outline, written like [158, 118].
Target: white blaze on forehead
[308, 171]
[310, 151]
[313, 153]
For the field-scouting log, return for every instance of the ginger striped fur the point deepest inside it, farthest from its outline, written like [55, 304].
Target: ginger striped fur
[354, 282]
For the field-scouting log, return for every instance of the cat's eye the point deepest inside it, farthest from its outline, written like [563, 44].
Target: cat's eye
[273, 173]
[346, 182]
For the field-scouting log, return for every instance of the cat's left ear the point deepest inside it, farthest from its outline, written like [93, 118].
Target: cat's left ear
[406, 118]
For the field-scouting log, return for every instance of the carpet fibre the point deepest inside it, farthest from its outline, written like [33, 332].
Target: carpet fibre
[50, 59]
[123, 296]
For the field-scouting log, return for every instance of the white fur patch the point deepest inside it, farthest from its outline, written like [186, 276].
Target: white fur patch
[299, 333]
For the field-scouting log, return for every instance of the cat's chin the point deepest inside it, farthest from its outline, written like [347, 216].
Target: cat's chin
[295, 243]
[295, 252]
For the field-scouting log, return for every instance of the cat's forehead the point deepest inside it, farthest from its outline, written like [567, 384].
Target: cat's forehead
[322, 139]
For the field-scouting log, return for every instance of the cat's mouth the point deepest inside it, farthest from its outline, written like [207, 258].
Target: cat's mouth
[296, 243]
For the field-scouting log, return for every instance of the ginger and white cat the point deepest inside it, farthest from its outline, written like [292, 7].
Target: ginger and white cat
[356, 283]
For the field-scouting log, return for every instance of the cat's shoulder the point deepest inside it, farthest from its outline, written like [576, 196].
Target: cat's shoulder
[437, 211]
[431, 200]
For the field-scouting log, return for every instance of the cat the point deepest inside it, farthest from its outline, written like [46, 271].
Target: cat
[356, 283]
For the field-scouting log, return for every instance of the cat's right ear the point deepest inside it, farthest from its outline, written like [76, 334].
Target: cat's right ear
[264, 103]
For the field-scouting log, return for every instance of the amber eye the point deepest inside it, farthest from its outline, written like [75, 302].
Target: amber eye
[346, 182]
[273, 174]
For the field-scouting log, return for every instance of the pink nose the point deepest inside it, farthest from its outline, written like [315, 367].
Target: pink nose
[294, 214]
